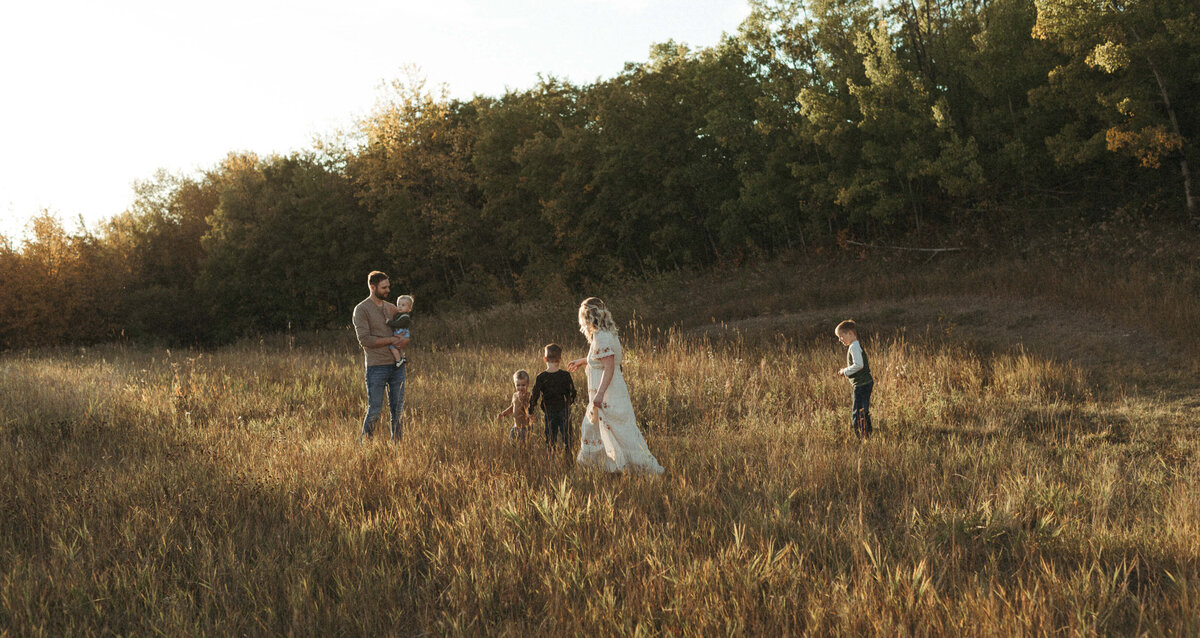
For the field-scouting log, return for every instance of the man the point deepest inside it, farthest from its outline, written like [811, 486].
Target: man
[374, 335]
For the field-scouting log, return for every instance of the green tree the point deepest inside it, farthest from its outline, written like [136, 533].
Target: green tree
[288, 241]
[1133, 68]
[516, 171]
[784, 59]
[156, 250]
[415, 174]
[661, 179]
[999, 63]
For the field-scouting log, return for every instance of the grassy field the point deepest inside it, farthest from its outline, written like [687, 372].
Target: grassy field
[1036, 470]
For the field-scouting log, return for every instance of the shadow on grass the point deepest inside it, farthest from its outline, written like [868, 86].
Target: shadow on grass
[113, 523]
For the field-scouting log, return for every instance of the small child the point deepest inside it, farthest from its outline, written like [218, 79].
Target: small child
[400, 324]
[858, 371]
[556, 389]
[518, 408]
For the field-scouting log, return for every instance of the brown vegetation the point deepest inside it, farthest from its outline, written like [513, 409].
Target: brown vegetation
[1035, 471]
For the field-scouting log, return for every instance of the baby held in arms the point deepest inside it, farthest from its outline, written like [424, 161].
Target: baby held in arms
[400, 325]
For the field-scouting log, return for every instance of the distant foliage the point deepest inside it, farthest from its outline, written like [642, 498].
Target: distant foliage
[818, 117]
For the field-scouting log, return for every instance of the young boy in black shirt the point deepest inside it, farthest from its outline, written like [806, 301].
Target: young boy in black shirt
[556, 389]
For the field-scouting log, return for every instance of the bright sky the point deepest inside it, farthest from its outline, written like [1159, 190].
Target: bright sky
[96, 95]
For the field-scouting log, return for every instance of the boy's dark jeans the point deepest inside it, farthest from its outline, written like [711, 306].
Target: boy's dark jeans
[860, 416]
[558, 423]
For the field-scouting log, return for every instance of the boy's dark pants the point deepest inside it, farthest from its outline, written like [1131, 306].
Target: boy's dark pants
[860, 417]
[559, 423]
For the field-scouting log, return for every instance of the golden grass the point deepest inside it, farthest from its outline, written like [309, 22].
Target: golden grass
[225, 492]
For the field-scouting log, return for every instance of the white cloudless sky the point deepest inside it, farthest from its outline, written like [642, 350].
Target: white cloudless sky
[95, 95]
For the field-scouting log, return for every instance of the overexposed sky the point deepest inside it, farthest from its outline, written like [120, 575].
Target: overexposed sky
[95, 95]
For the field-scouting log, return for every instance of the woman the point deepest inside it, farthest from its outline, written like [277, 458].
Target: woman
[609, 437]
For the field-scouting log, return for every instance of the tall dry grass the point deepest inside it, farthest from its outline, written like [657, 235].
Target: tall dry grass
[1008, 490]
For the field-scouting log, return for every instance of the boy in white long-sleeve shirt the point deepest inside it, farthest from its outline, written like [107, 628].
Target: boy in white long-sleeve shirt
[858, 371]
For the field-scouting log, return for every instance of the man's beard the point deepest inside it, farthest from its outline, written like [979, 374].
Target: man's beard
[380, 296]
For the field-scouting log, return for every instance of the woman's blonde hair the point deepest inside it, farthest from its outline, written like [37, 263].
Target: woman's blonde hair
[594, 316]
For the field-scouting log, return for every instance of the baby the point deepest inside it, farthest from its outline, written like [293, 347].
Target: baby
[518, 408]
[400, 325]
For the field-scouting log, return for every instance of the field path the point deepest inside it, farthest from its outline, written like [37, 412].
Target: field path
[991, 324]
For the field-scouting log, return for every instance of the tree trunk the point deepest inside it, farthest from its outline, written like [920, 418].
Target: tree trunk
[1193, 216]
[1187, 191]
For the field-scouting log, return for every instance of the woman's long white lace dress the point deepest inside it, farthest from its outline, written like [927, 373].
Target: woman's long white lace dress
[609, 437]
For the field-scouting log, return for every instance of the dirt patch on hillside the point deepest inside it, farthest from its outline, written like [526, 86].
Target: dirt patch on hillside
[985, 324]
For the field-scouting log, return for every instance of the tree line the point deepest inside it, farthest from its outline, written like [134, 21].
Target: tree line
[817, 117]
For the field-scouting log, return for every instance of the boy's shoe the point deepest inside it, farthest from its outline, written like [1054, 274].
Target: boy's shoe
[401, 362]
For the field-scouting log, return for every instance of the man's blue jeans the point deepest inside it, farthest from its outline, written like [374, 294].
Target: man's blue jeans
[381, 378]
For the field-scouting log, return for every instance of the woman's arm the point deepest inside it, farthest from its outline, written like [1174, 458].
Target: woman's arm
[576, 364]
[610, 366]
